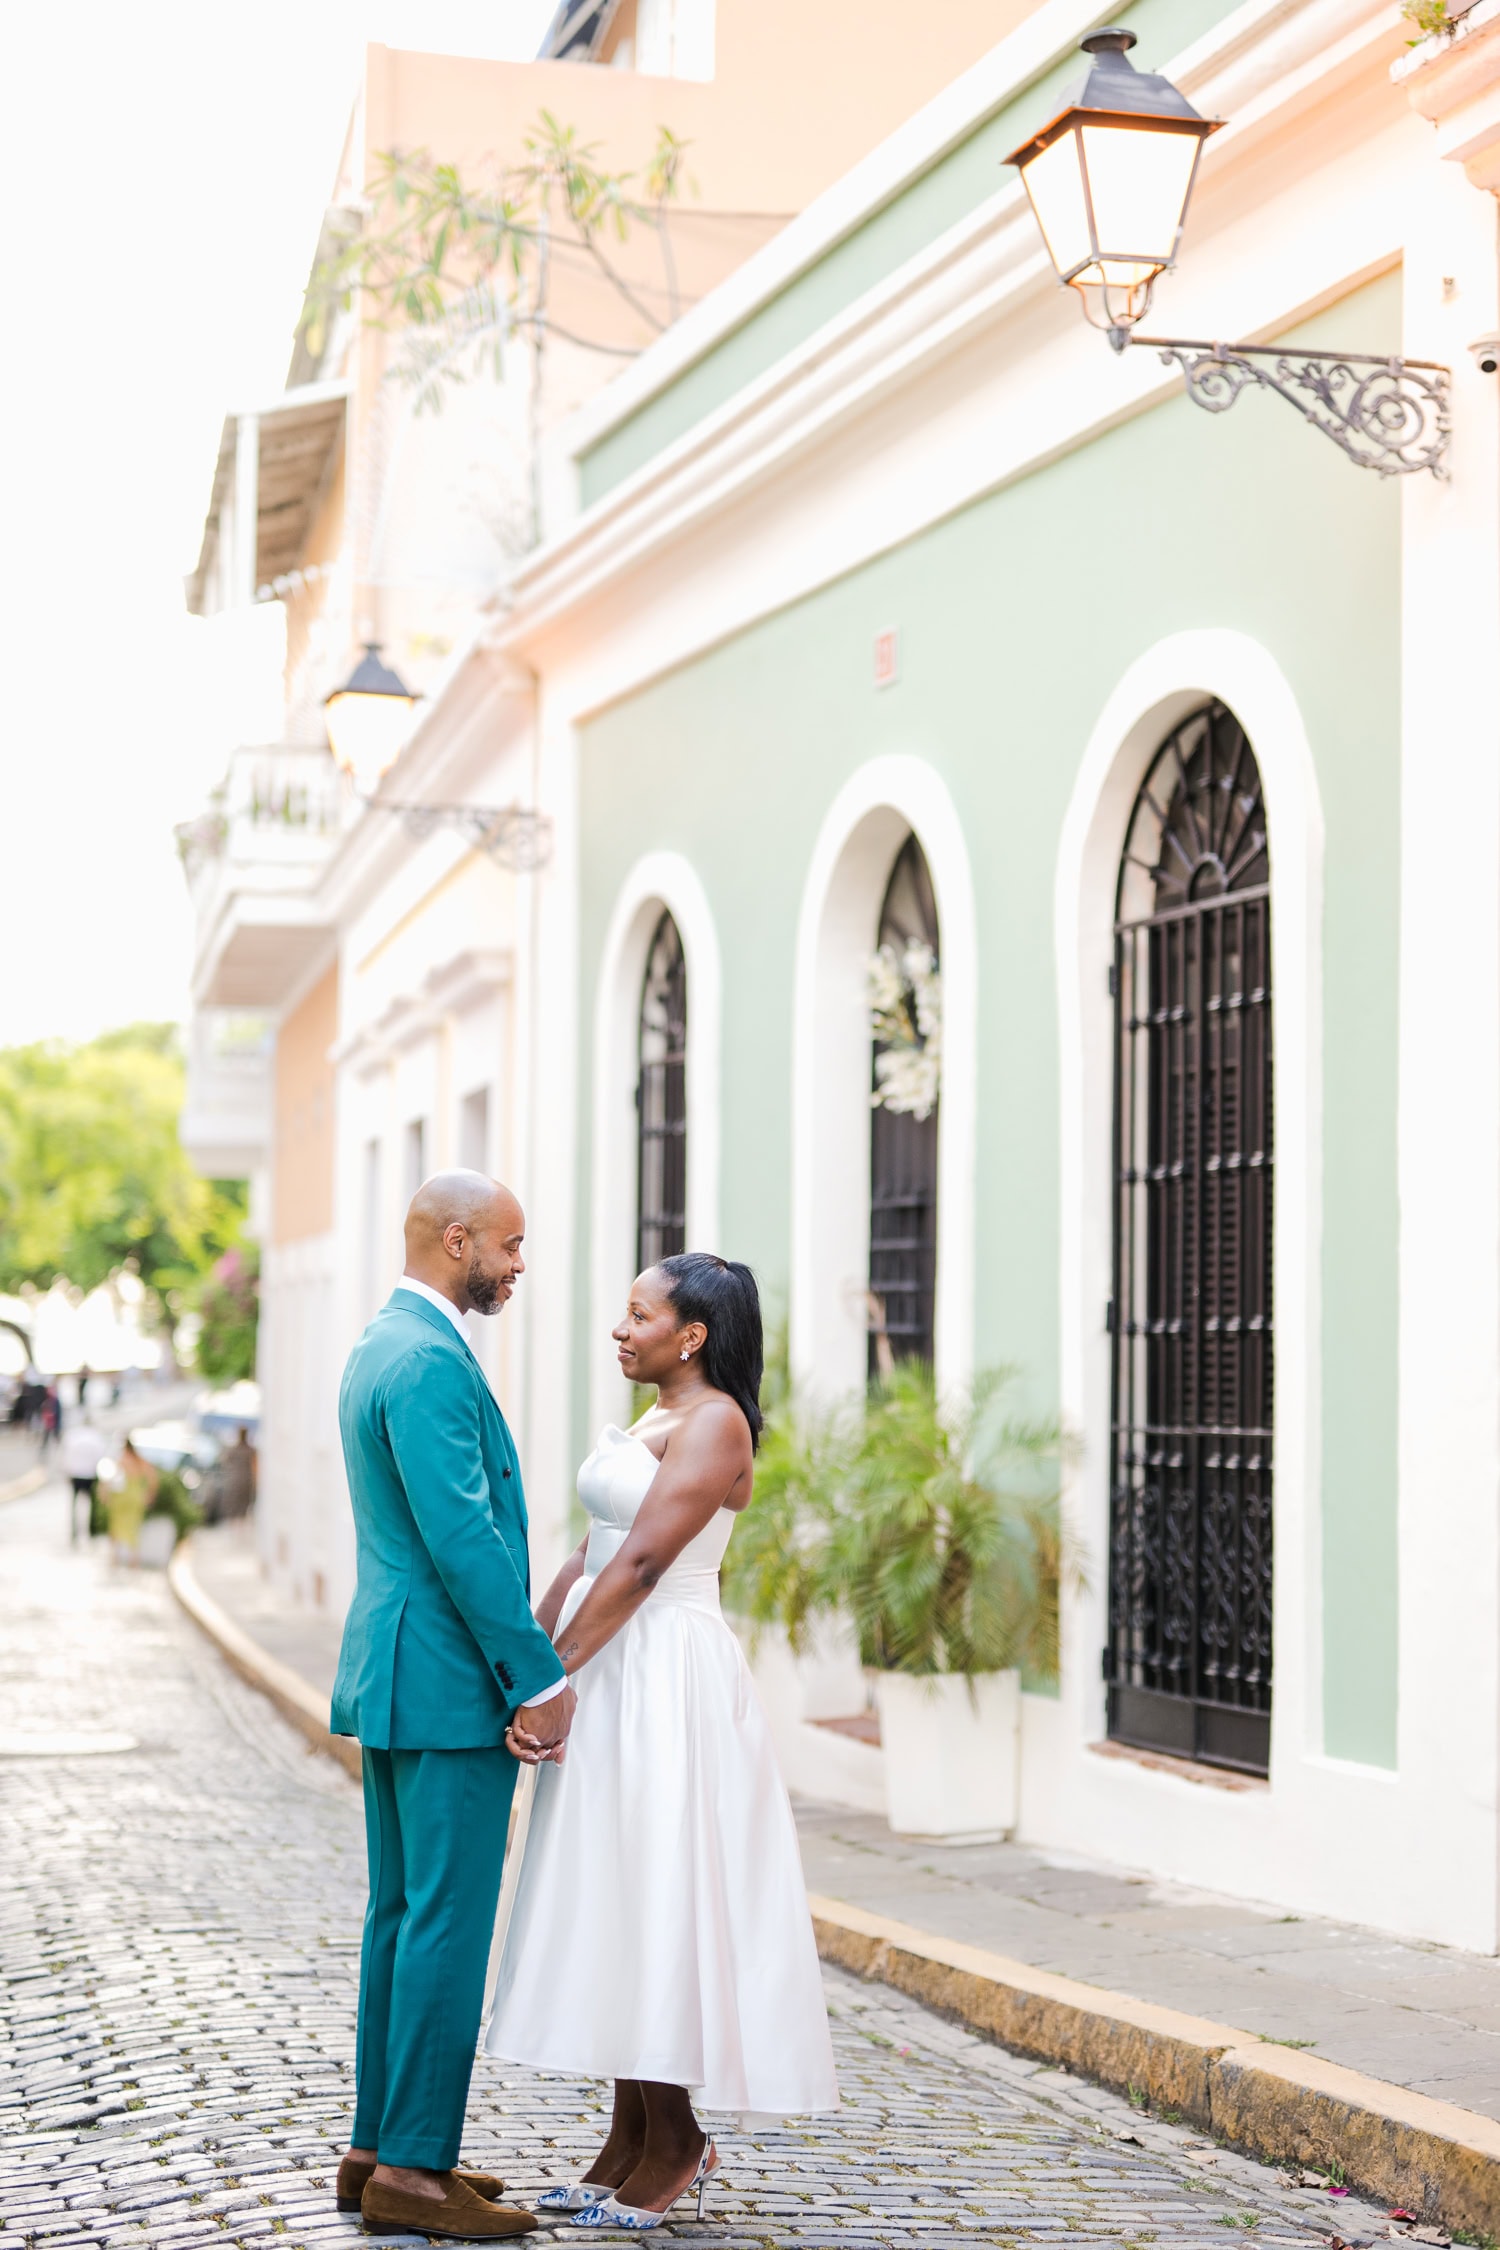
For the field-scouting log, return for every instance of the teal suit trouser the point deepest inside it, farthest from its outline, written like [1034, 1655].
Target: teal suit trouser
[435, 1824]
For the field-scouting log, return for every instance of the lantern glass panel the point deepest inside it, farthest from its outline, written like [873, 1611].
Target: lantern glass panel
[1054, 182]
[1138, 184]
[365, 733]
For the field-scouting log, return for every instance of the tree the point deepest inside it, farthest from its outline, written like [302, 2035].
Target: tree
[93, 1176]
[229, 1303]
[464, 266]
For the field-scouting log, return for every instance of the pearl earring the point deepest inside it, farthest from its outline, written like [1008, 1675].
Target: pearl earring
[685, 1352]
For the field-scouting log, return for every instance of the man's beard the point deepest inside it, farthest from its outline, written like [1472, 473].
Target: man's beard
[484, 1290]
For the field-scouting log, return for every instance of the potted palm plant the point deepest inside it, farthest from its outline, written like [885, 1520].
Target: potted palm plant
[933, 1526]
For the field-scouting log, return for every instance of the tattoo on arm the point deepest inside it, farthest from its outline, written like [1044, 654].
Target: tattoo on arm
[570, 1650]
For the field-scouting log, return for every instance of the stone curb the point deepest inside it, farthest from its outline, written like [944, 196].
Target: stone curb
[1405, 2148]
[293, 1698]
[30, 1480]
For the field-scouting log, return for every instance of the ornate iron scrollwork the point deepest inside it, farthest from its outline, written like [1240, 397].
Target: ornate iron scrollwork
[1389, 415]
[517, 839]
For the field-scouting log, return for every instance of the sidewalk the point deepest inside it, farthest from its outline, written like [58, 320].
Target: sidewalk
[1314, 2043]
[1419, 2016]
[20, 1471]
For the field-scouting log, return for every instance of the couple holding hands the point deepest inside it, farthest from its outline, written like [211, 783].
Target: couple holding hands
[655, 1929]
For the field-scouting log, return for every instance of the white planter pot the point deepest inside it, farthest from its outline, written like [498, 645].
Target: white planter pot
[952, 1753]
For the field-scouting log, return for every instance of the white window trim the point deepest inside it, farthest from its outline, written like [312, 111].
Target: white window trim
[849, 868]
[1159, 690]
[661, 882]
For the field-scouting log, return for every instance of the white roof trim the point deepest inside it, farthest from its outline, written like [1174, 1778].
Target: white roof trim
[915, 146]
[1263, 63]
[1021, 58]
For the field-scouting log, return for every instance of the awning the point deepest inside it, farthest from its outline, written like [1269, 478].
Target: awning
[298, 432]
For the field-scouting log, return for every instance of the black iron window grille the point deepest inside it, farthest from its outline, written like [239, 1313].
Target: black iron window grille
[1188, 1663]
[661, 1101]
[903, 1160]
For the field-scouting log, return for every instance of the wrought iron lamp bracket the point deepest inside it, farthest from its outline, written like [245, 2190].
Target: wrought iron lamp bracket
[513, 837]
[1387, 414]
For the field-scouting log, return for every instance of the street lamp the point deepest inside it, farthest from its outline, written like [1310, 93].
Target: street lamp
[367, 719]
[1109, 180]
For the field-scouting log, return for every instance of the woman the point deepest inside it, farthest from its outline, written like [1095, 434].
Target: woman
[126, 1508]
[660, 1934]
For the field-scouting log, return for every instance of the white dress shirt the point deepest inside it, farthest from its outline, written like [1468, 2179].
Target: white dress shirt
[447, 1306]
[82, 1450]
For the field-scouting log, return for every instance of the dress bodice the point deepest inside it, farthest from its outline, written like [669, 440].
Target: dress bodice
[612, 1484]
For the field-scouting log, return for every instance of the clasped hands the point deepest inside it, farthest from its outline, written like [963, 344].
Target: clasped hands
[538, 1733]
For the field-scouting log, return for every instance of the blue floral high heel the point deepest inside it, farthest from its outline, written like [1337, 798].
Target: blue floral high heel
[628, 2220]
[576, 2195]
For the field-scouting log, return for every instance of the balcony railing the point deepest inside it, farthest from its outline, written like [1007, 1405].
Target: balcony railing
[284, 803]
[253, 859]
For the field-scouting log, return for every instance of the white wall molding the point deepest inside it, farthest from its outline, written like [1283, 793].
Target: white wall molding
[1268, 61]
[850, 866]
[661, 881]
[1232, 64]
[1004, 380]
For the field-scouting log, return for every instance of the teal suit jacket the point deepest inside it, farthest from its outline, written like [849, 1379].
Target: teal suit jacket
[440, 1645]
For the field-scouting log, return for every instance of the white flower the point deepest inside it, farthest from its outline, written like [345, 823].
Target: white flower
[906, 1021]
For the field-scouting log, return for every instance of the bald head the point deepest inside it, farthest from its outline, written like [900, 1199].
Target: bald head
[463, 1238]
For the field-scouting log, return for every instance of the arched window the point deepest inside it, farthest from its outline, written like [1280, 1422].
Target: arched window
[1189, 1655]
[661, 1101]
[903, 1155]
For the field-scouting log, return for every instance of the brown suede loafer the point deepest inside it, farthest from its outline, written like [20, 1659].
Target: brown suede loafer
[458, 2213]
[355, 2176]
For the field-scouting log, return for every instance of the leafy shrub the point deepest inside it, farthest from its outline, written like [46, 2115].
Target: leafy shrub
[933, 1525]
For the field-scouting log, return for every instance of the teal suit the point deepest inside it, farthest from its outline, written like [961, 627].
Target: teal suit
[440, 1647]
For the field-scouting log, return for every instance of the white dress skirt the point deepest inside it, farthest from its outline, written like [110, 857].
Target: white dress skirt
[655, 1923]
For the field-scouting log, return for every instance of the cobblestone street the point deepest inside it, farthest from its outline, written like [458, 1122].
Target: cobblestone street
[183, 1890]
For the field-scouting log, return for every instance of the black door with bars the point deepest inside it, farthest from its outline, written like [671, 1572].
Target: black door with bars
[661, 1101]
[903, 1160]
[1188, 1663]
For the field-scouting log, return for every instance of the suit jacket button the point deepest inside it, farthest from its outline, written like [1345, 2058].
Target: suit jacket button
[505, 1472]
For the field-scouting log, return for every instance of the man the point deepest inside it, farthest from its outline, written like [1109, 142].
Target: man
[83, 1448]
[237, 1478]
[440, 1653]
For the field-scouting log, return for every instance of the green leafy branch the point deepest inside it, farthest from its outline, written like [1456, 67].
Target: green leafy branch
[1429, 16]
[464, 266]
[932, 1524]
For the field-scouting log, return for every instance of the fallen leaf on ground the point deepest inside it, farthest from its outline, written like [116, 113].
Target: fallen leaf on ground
[1431, 2234]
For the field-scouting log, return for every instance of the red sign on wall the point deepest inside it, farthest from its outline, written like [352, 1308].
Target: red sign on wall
[886, 658]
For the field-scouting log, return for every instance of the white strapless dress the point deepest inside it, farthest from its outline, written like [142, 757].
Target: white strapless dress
[656, 1925]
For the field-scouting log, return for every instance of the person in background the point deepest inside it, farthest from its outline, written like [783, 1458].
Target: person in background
[49, 1418]
[237, 1477]
[126, 1507]
[83, 1448]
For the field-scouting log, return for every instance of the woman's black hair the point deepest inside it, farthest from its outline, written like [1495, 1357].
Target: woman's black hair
[724, 1297]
